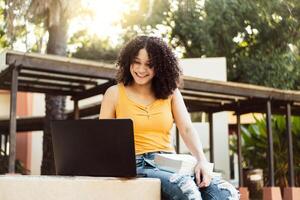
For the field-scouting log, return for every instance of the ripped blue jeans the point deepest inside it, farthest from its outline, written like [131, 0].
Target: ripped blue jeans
[183, 187]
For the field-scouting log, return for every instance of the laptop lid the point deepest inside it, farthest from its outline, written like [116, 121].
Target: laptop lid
[94, 147]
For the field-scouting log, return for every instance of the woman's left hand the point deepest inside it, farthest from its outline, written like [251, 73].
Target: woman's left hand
[203, 177]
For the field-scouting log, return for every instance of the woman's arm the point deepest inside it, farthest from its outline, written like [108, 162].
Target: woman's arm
[109, 102]
[190, 137]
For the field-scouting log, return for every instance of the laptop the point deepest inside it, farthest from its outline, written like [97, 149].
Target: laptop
[92, 147]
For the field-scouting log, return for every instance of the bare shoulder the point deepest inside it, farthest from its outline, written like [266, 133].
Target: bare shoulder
[177, 99]
[108, 103]
[176, 94]
[112, 93]
[112, 90]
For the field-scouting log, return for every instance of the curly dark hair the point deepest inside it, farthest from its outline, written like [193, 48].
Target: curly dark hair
[166, 68]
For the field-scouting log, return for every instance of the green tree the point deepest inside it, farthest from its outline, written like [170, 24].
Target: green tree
[260, 39]
[14, 29]
[3, 38]
[93, 47]
[255, 37]
[19, 32]
[146, 17]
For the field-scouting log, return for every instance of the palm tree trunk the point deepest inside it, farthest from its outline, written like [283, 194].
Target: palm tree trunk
[54, 110]
[55, 105]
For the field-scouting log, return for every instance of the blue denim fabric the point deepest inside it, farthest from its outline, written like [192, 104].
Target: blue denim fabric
[183, 187]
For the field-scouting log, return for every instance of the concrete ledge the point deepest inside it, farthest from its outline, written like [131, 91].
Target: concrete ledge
[16, 187]
[271, 193]
[291, 193]
[244, 192]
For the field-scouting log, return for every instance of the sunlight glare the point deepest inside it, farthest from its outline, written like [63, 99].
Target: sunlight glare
[104, 18]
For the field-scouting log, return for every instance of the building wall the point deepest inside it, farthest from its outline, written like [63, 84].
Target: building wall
[4, 111]
[23, 141]
[24, 108]
[4, 104]
[214, 69]
[37, 136]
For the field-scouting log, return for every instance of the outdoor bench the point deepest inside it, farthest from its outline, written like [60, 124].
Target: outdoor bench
[26, 187]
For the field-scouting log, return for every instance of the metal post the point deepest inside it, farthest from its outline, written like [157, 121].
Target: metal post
[270, 144]
[76, 109]
[239, 149]
[13, 120]
[177, 140]
[5, 144]
[211, 137]
[1, 143]
[290, 145]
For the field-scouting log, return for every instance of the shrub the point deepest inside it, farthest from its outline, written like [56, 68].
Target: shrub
[255, 144]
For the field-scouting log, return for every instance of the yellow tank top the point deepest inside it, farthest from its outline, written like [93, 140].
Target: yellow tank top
[151, 124]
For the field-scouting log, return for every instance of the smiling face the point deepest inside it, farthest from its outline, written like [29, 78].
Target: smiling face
[140, 69]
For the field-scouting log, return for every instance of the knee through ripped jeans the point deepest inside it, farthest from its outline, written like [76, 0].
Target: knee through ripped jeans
[183, 187]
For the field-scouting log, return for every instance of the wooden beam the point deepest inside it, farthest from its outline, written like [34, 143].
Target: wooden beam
[291, 177]
[24, 124]
[247, 106]
[6, 74]
[37, 123]
[100, 89]
[61, 65]
[87, 111]
[211, 95]
[13, 120]
[40, 89]
[211, 137]
[276, 111]
[199, 108]
[278, 107]
[177, 140]
[270, 153]
[195, 106]
[1, 135]
[29, 83]
[6, 138]
[239, 149]
[197, 101]
[207, 100]
[57, 78]
[239, 89]
[76, 109]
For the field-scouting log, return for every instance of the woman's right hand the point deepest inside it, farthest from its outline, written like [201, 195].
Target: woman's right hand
[202, 175]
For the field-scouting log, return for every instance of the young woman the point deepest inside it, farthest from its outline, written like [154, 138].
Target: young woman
[147, 92]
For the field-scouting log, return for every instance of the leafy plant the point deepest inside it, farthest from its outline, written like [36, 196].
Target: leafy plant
[255, 145]
[19, 166]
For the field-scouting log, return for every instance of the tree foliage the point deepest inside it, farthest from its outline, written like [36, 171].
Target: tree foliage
[17, 30]
[93, 48]
[3, 37]
[260, 39]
